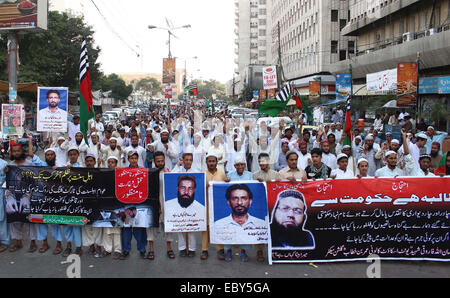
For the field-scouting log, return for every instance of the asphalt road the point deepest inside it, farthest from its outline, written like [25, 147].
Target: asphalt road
[23, 264]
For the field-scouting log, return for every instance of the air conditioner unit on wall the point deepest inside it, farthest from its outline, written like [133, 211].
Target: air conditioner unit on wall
[430, 32]
[408, 36]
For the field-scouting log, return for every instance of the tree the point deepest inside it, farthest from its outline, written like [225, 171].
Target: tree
[52, 58]
[246, 94]
[120, 90]
[210, 87]
[150, 86]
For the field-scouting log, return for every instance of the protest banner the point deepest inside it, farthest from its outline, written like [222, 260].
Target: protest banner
[97, 197]
[12, 119]
[169, 71]
[328, 221]
[52, 109]
[184, 208]
[238, 213]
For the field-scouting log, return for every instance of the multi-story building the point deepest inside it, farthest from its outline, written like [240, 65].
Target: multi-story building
[71, 7]
[307, 35]
[394, 31]
[252, 37]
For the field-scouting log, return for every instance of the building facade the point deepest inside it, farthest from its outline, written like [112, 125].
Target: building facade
[252, 38]
[307, 35]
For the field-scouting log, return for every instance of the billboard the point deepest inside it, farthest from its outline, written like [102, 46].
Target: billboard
[343, 86]
[406, 84]
[444, 85]
[12, 119]
[23, 15]
[382, 82]
[169, 71]
[270, 77]
[314, 92]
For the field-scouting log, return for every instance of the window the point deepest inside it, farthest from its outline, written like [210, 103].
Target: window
[351, 47]
[342, 55]
[334, 15]
[334, 47]
[342, 23]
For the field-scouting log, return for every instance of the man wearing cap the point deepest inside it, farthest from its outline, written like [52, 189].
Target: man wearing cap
[434, 136]
[61, 147]
[342, 172]
[212, 174]
[73, 127]
[134, 146]
[240, 173]
[81, 146]
[18, 229]
[414, 149]
[368, 152]
[165, 146]
[347, 150]
[292, 172]
[435, 156]
[363, 168]
[111, 150]
[72, 233]
[97, 126]
[394, 145]
[92, 236]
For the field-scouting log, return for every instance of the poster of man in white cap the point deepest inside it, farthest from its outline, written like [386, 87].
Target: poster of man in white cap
[52, 109]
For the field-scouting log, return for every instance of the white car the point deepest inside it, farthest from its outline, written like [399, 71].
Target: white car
[113, 114]
[273, 121]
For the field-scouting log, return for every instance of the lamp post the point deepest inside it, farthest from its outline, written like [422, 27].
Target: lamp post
[169, 31]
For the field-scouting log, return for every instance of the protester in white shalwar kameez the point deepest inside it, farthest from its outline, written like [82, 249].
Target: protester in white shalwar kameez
[217, 149]
[342, 172]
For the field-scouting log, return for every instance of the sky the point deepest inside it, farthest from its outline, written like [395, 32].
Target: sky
[210, 38]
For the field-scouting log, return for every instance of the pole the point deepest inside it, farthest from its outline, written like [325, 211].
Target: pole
[12, 64]
[279, 57]
[170, 53]
[418, 86]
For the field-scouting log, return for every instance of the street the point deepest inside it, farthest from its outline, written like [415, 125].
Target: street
[21, 264]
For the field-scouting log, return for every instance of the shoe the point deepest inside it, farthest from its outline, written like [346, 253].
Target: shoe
[78, 251]
[244, 257]
[124, 255]
[228, 256]
[116, 256]
[142, 254]
[183, 253]
[221, 254]
[191, 254]
[204, 255]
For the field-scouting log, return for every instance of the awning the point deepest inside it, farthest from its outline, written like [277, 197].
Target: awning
[333, 102]
[21, 87]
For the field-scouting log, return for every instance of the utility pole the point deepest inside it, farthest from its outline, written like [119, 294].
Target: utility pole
[12, 66]
[279, 57]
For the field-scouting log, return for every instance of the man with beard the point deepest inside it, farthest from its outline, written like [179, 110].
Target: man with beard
[239, 198]
[42, 229]
[165, 146]
[184, 203]
[81, 146]
[17, 229]
[288, 221]
[97, 126]
[52, 113]
[368, 152]
[435, 156]
[160, 164]
[73, 127]
[139, 149]
[111, 150]
[394, 146]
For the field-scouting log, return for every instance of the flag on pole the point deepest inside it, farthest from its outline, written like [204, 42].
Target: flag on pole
[86, 101]
[273, 107]
[208, 104]
[442, 167]
[193, 89]
[302, 103]
[348, 123]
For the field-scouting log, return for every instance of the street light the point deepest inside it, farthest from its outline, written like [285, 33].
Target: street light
[169, 30]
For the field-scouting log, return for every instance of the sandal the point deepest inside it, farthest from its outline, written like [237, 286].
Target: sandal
[67, 252]
[116, 255]
[78, 251]
[44, 249]
[105, 254]
[57, 250]
[15, 247]
[204, 255]
[33, 248]
[171, 254]
[260, 258]
[150, 255]
[3, 247]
